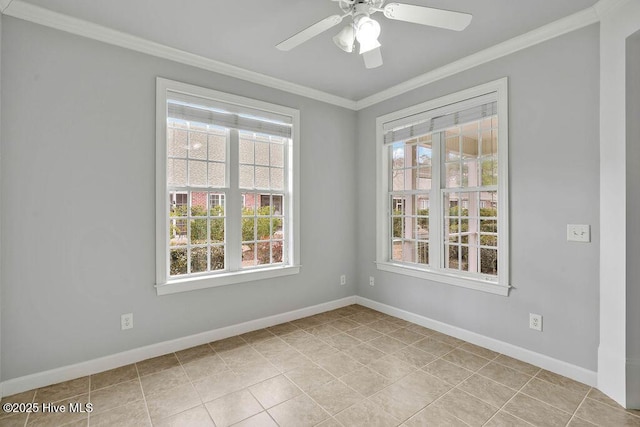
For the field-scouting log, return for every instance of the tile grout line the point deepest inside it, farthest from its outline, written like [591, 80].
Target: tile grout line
[578, 407]
[437, 400]
[144, 397]
[193, 386]
[617, 408]
[248, 388]
[502, 408]
[33, 400]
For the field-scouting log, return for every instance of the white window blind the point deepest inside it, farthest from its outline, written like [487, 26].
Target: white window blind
[228, 116]
[440, 119]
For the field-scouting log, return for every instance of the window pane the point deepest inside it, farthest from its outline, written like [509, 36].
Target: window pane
[246, 176]
[490, 142]
[216, 175]
[452, 149]
[411, 179]
[262, 177]
[470, 147]
[217, 230]
[178, 204]
[489, 171]
[249, 229]
[217, 258]
[277, 178]
[424, 178]
[470, 174]
[277, 203]
[262, 153]
[276, 228]
[397, 151]
[452, 261]
[489, 225]
[276, 251]
[249, 255]
[409, 251]
[452, 177]
[264, 253]
[397, 177]
[248, 203]
[199, 203]
[177, 172]
[424, 154]
[397, 227]
[178, 261]
[489, 261]
[277, 155]
[464, 258]
[396, 250]
[177, 232]
[489, 203]
[198, 231]
[197, 173]
[176, 143]
[180, 143]
[216, 204]
[423, 252]
[199, 259]
[217, 148]
[421, 204]
[197, 145]
[246, 151]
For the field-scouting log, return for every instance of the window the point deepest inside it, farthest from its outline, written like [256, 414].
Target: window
[227, 179]
[442, 210]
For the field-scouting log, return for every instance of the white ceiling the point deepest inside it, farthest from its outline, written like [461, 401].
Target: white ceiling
[244, 34]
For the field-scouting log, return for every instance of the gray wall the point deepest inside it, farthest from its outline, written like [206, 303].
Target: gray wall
[633, 219]
[553, 179]
[78, 184]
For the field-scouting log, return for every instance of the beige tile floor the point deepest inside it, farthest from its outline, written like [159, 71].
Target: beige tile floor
[349, 367]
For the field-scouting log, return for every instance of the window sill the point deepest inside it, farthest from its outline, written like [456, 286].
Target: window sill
[223, 279]
[492, 287]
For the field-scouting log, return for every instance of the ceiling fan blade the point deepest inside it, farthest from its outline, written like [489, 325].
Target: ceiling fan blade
[310, 32]
[450, 20]
[372, 58]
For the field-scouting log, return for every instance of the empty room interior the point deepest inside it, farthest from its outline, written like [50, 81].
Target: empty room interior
[327, 212]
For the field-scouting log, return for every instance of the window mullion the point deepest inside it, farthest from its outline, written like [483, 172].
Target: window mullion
[234, 204]
[436, 220]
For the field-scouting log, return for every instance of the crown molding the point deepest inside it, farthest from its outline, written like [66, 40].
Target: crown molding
[28, 12]
[4, 4]
[539, 35]
[604, 7]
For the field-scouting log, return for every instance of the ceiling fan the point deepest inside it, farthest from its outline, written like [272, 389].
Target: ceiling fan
[365, 30]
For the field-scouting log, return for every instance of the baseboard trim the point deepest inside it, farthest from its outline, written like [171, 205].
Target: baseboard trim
[65, 373]
[633, 384]
[612, 374]
[554, 365]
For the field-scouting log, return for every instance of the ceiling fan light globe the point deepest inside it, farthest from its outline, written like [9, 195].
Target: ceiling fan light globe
[368, 30]
[345, 38]
[369, 46]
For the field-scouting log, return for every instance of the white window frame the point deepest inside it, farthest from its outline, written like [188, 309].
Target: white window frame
[168, 285]
[436, 271]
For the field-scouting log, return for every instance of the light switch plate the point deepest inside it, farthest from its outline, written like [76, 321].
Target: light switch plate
[578, 233]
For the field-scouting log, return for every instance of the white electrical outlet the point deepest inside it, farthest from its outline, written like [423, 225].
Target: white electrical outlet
[343, 280]
[126, 321]
[372, 281]
[535, 322]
